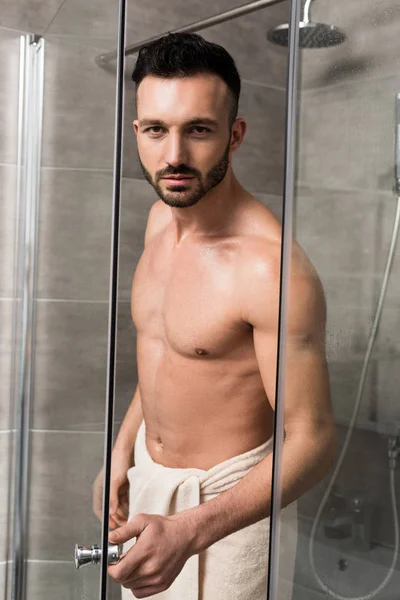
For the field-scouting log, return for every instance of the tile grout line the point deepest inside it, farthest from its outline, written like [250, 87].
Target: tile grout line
[38, 561]
[371, 191]
[72, 300]
[74, 431]
[43, 561]
[89, 169]
[67, 300]
[310, 185]
[12, 30]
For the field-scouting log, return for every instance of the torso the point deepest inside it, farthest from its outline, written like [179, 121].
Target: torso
[203, 399]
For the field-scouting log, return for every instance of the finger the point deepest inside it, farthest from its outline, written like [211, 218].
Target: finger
[141, 582]
[124, 504]
[131, 529]
[112, 524]
[145, 592]
[118, 515]
[119, 520]
[114, 501]
[138, 579]
[121, 512]
[116, 512]
[127, 566]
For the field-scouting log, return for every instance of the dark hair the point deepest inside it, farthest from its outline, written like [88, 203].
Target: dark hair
[186, 54]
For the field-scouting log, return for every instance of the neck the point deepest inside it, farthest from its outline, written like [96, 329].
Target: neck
[212, 214]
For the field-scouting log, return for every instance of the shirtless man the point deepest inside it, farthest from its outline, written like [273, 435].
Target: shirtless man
[205, 301]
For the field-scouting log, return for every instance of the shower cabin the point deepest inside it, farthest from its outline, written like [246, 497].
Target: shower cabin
[320, 97]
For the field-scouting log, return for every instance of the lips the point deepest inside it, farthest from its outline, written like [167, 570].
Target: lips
[179, 178]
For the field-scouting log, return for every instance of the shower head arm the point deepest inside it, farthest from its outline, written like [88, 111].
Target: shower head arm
[306, 13]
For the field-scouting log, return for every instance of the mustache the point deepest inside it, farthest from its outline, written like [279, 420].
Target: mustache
[181, 171]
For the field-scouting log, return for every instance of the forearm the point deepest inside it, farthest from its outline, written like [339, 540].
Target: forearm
[306, 459]
[126, 437]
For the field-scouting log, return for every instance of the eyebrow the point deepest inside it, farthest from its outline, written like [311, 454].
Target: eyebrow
[194, 121]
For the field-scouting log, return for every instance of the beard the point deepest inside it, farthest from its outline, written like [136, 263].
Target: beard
[183, 196]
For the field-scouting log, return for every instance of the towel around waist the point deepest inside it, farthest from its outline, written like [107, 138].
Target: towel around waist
[219, 478]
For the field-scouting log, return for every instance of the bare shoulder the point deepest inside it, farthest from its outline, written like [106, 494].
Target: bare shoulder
[259, 275]
[159, 217]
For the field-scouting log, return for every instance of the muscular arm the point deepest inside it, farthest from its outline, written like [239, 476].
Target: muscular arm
[310, 441]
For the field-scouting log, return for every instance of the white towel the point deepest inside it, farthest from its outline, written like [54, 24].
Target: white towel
[234, 568]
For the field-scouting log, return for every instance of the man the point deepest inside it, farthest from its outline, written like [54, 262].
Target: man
[195, 445]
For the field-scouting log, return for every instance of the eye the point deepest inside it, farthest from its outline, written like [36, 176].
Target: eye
[203, 129]
[151, 129]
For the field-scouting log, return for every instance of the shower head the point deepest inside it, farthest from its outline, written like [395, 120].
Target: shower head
[311, 35]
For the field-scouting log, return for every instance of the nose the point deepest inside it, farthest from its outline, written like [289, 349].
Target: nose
[175, 150]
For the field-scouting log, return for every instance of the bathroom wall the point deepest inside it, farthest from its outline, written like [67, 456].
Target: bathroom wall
[345, 212]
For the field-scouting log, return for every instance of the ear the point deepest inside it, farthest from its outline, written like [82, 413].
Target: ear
[135, 124]
[239, 129]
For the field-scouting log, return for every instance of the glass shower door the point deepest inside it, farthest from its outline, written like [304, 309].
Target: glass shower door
[259, 165]
[72, 298]
[61, 351]
[347, 217]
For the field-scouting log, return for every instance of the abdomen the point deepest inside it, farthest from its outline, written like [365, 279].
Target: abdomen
[200, 410]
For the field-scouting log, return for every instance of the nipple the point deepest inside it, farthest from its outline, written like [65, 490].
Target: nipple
[201, 351]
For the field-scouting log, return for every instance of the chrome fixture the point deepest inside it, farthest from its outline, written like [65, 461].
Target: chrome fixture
[349, 515]
[312, 35]
[30, 115]
[91, 555]
[397, 146]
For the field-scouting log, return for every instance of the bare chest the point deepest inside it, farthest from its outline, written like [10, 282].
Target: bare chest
[189, 301]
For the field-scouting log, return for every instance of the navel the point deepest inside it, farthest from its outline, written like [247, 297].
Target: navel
[201, 351]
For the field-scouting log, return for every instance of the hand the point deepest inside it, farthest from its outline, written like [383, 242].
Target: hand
[163, 546]
[119, 492]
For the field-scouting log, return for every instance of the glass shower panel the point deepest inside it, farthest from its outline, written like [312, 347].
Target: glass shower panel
[9, 101]
[69, 359]
[347, 223]
[259, 163]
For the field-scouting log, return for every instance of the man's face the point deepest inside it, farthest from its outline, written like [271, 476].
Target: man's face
[182, 129]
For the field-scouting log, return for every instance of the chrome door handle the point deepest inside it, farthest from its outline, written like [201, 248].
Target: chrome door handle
[91, 555]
